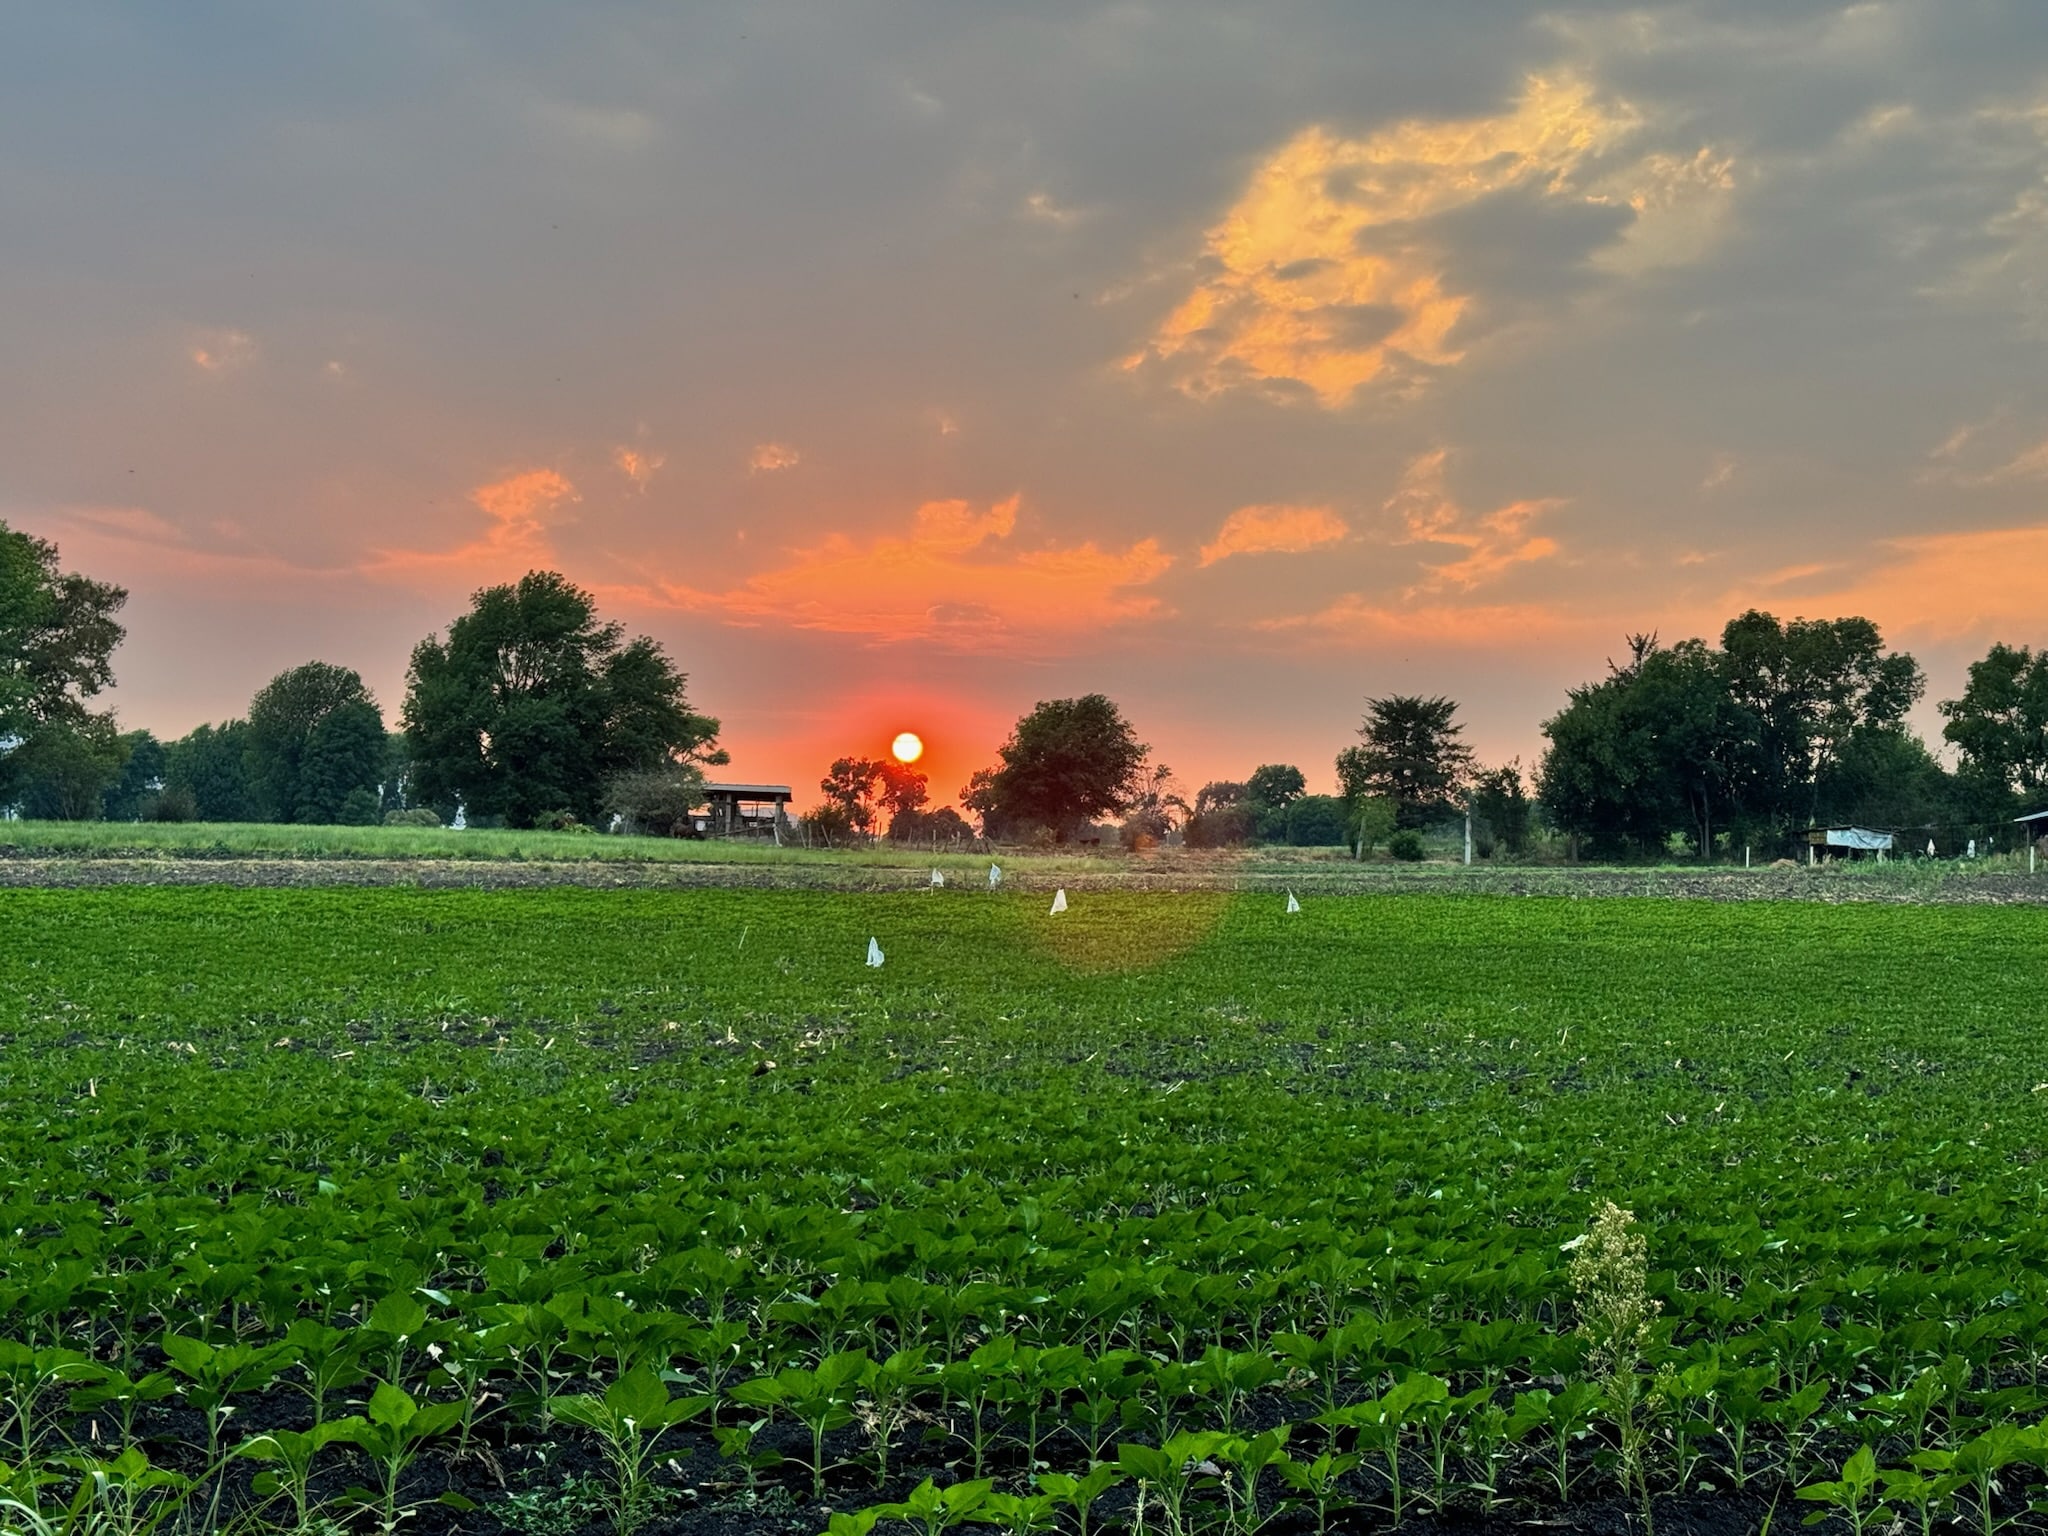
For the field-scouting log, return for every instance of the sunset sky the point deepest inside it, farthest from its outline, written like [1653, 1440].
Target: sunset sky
[898, 366]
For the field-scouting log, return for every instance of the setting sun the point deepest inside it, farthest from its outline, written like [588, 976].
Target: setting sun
[908, 747]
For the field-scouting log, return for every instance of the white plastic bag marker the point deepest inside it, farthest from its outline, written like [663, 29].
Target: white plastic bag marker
[937, 878]
[1292, 904]
[874, 953]
[1059, 899]
[995, 877]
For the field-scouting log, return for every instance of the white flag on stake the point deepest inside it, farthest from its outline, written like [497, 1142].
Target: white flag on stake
[1059, 899]
[1292, 904]
[995, 877]
[937, 878]
[874, 953]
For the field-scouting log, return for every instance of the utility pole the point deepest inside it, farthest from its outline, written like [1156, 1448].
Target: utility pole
[1468, 837]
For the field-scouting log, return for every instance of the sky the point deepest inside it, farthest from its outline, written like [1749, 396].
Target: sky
[898, 366]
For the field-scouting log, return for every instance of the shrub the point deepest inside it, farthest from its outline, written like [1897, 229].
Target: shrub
[416, 816]
[657, 801]
[174, 804]
[1406, 846]
[359, 808]
[1224, 827]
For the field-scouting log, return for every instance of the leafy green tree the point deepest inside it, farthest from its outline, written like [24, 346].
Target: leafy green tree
[66, 767]
[341, 767]
[532, 705]
[852, 787]
[57, 639]
[655, 801]
[1747, 739]
[1411, 756]
[1369, 821]
[1278, 784]
[141, 779]
[314, 734]
[1808, 687]
[1316, 821]
[1067, 762]
[210, 763]
[1502, 809]
[1269, 792]
[2000, 724]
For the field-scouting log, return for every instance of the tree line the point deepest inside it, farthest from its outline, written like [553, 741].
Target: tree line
[533, 711]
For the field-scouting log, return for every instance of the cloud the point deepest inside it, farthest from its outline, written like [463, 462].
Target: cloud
[773, 456]
[1356, 620]
[1331, 271]
[222, 351]
[1492, 543]
[636, 466]
[953, 580]
[1044, 208]
[1719, 473]
[518, 507]
[1274, 530]
[1939, 586]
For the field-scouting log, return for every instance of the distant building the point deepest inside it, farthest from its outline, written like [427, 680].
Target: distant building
[743, 810]
[1852, 842]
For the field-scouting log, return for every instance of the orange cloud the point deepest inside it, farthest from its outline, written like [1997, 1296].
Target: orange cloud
[1326, 276]
[1274, 530]
[773, 456]
[1354, 620]
[636, 466]
[951, 580]
[1940, 586]
[518, 507]
[222, 351]
[1492, 543]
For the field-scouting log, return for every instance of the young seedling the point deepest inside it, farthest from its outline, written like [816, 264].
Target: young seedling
[630, 1418]
[293, 1452]
[1080, 1493]
[1853, 1495]
[392, 1435]
[1379, 1422]
[1318, 1482]
[935, 1510]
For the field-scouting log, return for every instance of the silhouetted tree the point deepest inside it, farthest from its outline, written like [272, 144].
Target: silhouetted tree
[531, 705]
[1411, 756]
[1067, 762]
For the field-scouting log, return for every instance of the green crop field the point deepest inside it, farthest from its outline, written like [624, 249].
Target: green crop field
[567, 1210]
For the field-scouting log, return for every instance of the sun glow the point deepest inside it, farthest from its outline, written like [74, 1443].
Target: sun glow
[908, 747]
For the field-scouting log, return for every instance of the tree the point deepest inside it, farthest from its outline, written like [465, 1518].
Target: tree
[1277, 784]
[65, 768]
[1149, 813]
[655, 801]
[945, 825]
[342, 768]
[1067, 762]
[131, 795]
[1753, 739]
[1222, 816]
[1808, 687]
[1501, 809]
[852, 786]
[210, 764]
[531, 705]
[314, 734]
[2000, 724]
[1270, 792]
[57, 639]
[1412, 756]
[903, 790]
[1316, 821]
